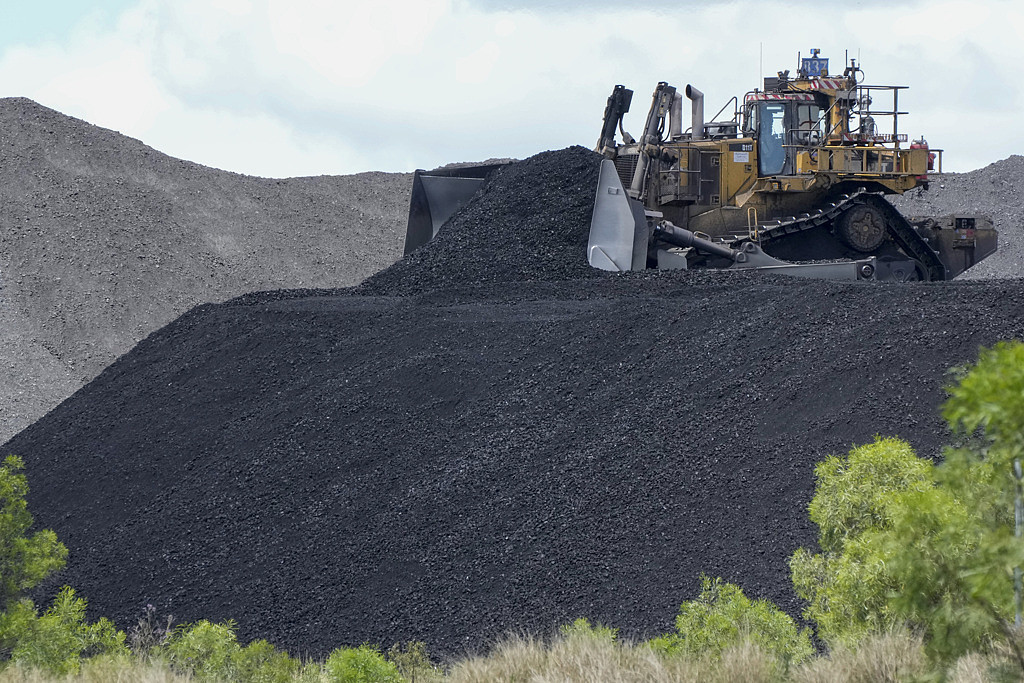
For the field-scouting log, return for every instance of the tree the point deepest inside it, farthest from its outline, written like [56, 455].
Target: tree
[932, 547]
[857, 500]
[60, 637]
[24, 560]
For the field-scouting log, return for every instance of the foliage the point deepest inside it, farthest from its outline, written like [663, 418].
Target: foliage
[412, 661]
[856, 498]
[59, 639]
[211, 652]
[722, 617]
[582, 628]
[261, 662]
[990, 396]
[24, 560]
[903, 541]
[363, 664]
[910, 550]
[204, 649]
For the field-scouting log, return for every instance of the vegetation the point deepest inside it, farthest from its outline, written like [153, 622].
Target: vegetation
[722, 617]
[24, 560]
[912, 580]
[906, 542]
[59, 639]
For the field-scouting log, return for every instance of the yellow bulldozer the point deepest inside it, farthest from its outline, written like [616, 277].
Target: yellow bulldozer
[791, 179]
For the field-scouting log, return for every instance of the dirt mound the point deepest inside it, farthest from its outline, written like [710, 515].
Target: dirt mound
[103, 240]
[427, 458]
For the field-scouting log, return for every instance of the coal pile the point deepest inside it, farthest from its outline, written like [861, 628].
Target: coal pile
[531, 221]
[450, 452]
[104, 240]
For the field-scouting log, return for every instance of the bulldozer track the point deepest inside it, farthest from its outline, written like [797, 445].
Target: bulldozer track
[898, 228]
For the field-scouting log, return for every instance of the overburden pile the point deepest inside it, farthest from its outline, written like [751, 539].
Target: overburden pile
[489, 436]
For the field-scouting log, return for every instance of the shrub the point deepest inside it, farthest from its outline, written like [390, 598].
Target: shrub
[582, 628]
[261, 662]
[364, 664]
[24, 560]
[58, 640]
[204, 649]
[211, 652]
[722, 617]
[412, 661]
[849, 583]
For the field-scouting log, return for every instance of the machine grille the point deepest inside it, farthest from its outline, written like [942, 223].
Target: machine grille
[625, 166]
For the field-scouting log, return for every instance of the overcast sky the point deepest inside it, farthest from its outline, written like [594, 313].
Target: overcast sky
[306, 87]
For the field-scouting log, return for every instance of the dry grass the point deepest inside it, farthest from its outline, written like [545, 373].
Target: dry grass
[567, 660]
[100, 670]
[895, 656]
[595, 660]
[972, 668]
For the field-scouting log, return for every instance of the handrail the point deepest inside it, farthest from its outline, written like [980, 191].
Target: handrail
[735, 110]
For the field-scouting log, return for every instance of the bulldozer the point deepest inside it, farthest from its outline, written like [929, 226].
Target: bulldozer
[791, 179]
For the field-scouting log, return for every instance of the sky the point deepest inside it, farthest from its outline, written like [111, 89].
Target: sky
[283, 88]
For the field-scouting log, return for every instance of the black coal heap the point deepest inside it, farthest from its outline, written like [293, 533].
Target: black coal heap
[487, 436]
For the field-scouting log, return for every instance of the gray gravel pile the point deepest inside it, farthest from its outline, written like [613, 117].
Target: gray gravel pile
[103, 240]
[996, 191]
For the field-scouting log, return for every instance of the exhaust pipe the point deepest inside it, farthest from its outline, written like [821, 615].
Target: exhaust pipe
[675, 129]
[697, 109]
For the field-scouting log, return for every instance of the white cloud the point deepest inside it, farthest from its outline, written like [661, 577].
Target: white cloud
[351, 41]
[476, 68]
[319, 86]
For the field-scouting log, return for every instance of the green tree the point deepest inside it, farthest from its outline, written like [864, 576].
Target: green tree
[25, 560]
[903, 541]
[857, 500]
[57, 640]
[722, 617]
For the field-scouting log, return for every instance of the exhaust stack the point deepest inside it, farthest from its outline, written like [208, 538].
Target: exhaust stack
[697, 109]
[676, 118]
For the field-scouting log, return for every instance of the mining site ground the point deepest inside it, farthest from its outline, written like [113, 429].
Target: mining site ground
[489, 435]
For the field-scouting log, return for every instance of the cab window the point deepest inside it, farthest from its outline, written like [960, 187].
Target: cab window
[808, 124]
[771, 136]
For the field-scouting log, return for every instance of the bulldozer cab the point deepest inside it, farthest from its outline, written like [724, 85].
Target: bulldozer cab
[783, 128]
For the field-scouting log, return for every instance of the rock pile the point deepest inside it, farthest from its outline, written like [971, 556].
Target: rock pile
[103, 240]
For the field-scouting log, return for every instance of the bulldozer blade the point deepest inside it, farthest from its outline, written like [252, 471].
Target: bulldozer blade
[437, 195]
[618, 228]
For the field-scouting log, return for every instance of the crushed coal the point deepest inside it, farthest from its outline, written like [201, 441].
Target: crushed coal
[531, 221]
[489, 436]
